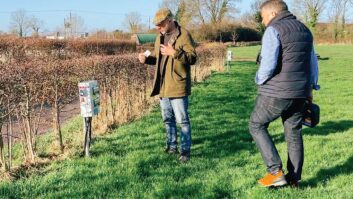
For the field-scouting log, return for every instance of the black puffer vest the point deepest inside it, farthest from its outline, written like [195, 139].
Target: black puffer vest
[291, 77]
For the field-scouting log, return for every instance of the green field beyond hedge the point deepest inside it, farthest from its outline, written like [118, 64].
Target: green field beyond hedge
[129, 162]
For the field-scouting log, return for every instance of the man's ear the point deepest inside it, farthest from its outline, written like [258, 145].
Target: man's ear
[273, 13]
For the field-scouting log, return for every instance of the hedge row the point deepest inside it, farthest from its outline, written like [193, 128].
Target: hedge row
[29, 85]
[16, 47]
[225, 33]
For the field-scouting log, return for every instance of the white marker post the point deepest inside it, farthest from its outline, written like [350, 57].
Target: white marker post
[89, 104]
[229, 59]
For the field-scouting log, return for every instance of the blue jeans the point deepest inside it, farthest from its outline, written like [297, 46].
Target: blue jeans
[176, 110]
[268, 109]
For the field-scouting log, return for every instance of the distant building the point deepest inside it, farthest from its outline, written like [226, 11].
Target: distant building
[60, 36]
[54, 37]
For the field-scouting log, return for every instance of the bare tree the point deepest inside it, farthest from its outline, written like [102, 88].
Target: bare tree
[309, 10]
[344, 12]
[181, 9]
[3, 99]
[335, 13]
[195, 10]
[182, 14]
[253, 18]
[173, 5]
[218, 9]
[198, 11]
[35, 24]
[133, 22]
[19, 22]
[213, 11]
[235, 37]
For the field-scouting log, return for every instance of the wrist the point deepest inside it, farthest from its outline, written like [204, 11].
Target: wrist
[316, 87]
[172, 52]
[176, 53]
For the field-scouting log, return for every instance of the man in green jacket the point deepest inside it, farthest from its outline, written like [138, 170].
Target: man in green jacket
[173, 54]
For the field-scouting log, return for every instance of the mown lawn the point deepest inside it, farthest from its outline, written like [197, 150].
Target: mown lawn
[129, 162]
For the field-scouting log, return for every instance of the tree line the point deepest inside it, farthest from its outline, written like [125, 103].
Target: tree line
[328, 19]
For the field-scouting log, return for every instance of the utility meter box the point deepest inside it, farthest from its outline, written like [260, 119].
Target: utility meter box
[89, 98]
[229, 55]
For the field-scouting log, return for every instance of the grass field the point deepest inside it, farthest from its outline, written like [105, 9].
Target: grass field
[129, 162]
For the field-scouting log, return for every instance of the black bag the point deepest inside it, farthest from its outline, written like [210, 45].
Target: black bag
[258, 58]
[311, 115]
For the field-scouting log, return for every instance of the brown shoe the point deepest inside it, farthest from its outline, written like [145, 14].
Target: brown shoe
[184, 158]
[171, 150]
[273, 180]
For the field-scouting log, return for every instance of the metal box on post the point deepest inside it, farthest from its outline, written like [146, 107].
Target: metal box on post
[89, 104]
[229, 58]
[89, 98]
[229, 55]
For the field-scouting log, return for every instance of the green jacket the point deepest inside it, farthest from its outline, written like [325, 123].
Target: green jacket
[177, 76]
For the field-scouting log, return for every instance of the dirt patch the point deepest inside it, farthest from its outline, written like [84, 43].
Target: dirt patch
[46, 121]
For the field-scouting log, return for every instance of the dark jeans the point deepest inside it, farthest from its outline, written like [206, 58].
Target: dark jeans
[268, 109]
[176, 110]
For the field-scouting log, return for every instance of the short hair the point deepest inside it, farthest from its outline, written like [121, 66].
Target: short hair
[277, 5]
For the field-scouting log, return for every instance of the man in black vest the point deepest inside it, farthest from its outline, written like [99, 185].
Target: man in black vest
[287, 74]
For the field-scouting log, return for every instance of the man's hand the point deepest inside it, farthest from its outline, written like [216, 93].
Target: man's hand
[142, 58]
[167, 50]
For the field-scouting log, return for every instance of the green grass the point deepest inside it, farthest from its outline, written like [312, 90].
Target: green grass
[129, 162]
